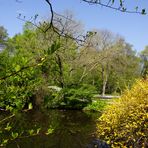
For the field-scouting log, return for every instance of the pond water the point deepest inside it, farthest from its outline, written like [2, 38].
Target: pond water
[69, 129]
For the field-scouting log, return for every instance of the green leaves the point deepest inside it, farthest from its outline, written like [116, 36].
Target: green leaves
[8, 127]
[30, 106]
[4, 142]
[14, 135]
[31, 132]
[54, 47]
[49, 131]
[17, 68]
[97, 105]
[3, 34]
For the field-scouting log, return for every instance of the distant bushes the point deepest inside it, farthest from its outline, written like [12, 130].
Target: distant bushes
[71, 98]
[125, 122]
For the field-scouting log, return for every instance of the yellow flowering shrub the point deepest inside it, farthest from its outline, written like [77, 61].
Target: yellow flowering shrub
[125, 122]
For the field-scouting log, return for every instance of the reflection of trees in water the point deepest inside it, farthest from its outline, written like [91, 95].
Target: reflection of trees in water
[72, 129]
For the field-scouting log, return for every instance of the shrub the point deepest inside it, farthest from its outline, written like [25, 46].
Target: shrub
[71, 98]
[98, 105]
[52, 99]
[125, 122]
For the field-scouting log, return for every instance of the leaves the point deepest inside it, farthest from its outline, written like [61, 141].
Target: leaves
[14, 135]
[8, 127]
[4, 142]
[17, 68]
[30, 106]
[49, 131]
[54, 47]
[31, 132]
[125, 121]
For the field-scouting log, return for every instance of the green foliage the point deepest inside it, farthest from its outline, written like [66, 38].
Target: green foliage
[144, 61]
[71, 98]
[97, 105]
[3, 35]
[54, 47]
[33, 60]
[125, 122]
[14, 135]
[50, 131]
[20, 75]
[16, 90]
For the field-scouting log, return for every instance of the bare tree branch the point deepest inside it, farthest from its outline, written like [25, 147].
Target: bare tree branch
[121, 8]
[52, 15]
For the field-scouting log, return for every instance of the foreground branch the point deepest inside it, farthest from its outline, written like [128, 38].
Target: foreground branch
[121, 8]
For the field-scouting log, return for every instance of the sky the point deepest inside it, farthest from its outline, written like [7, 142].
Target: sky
[133, 27]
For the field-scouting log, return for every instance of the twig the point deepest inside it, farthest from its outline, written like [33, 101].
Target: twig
[121, 8]
[16, 72]
[7, 118]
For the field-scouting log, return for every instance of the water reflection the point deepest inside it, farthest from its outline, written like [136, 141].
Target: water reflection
[71, 129]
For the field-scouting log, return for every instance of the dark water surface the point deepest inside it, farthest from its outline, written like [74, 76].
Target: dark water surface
[71, 129]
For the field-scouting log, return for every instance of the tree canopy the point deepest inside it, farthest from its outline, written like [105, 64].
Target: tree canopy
[3, 34]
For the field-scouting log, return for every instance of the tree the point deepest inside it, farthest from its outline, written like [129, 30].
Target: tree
[112, 58]
[47, 56]
[144, 58]
[20, 73]
[3, 34]
[3, 37]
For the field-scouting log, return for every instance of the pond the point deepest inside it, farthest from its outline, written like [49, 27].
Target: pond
[64, 128]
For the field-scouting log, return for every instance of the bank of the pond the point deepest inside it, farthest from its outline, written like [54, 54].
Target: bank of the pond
[95, 105]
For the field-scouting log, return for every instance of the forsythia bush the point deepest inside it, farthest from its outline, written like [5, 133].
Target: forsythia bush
[125, 122]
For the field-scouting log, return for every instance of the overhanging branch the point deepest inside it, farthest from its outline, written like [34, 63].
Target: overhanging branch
[109, 4]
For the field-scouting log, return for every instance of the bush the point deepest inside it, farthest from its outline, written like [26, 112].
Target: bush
[71, 98]
[52, 99]
[98, 105]
[125, 122]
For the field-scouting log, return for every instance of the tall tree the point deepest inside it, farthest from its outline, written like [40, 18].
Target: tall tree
[3, 37]
[144, 58]
[110, 55]
[3, 34]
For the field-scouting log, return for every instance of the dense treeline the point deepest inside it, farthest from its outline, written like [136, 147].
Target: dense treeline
[32, 62]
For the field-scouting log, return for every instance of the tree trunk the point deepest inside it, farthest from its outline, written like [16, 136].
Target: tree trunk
[61, 79]
[104, 79]
[104, 87]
